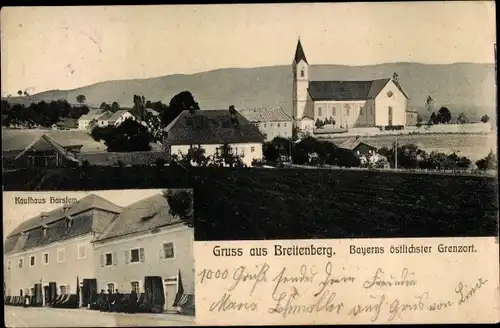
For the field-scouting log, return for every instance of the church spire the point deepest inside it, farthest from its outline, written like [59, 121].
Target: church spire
[299, 53]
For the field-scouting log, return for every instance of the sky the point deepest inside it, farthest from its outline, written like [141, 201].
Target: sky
[47, 48]
[14, 214]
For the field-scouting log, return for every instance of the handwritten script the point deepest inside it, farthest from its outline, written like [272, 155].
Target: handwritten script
[284, 291]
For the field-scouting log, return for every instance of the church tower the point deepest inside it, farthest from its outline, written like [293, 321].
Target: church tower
[300, 68]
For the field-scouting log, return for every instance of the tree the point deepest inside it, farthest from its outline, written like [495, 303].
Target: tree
[155, 128]
[462, 119]
[115, 107]
[444, 115]
[180, 102]
[419, 120]
[429, 103]
[127, 137]
[139, 108]
[226, 156]
[81, 99]
[485, 119]
[180, 202]
[20, 93]
[318, 123]
[270, 152]
[487, 163]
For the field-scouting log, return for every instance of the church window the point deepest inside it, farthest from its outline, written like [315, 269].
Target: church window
[360, 110]
[334, 111]
[278, 125]
[319, 112]
[301, 73]
[347, 111]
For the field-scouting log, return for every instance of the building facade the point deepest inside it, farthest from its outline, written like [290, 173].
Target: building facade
[92, 115]
[94, 239]
[411, 117]
[272, 122]
[56, 246]
[347, 104]
[210, 130]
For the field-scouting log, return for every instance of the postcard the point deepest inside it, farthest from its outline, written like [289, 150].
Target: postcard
[250, 164]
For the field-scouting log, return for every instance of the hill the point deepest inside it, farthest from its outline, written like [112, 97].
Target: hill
[462, 87]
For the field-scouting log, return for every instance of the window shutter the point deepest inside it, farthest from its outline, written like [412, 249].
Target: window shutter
[141, 254]
[103, 259]
[126, 256]
[115, 258]
[162, 252]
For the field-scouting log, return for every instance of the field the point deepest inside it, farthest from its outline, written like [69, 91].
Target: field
[237, 204]
[473, 146]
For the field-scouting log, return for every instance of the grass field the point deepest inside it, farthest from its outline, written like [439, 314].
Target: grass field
[289, 204]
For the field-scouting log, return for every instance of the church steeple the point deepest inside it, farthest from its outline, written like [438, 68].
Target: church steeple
[299, 53]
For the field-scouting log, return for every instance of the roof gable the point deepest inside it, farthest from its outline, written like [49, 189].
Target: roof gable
[211, 127]
[150, 213]
[46, 143]
[89, 202]
[115, 116]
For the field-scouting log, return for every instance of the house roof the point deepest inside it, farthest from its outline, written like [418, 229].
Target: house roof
[92, 114]
[351, 144]
[299, 53]
[116, 115]
[91, 201]
[127, 158]
[150, 213]
[18, 139]
[211, 127]
[105, 116]
[265, 114]
[46, 143]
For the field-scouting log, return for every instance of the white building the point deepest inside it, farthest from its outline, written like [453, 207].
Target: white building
[93, 114]
[375, 103]
[56, 247]
[272, 122]
[210, 129]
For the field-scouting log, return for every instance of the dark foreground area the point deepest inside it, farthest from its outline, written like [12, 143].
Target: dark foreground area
[238, 204]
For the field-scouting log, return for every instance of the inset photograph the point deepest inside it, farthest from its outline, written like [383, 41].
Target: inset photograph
[124, 256]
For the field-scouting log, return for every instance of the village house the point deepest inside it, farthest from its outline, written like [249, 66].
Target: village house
[145, 240]
[411, 117]
[210, 129]
[92, 115]
[119, 117]
[374, 103]
[55, 247]
[272, 122]
[107, 246]
[45, 152]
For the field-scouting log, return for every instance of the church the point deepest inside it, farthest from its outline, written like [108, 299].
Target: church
[378, 103]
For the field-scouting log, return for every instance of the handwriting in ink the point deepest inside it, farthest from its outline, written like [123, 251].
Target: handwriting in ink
[287, 304]
[379, 281]
[467, 292]
[374, 308]
[330, 280]
[305, 276]
[227, 304]
[241, 275]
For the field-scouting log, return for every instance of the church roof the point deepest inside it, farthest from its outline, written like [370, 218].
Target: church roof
[299, 53]
[265, 114]
[346, 90]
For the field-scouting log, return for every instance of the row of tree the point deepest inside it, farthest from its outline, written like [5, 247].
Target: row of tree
[443, 115]
[311, 151]
[39, 114]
